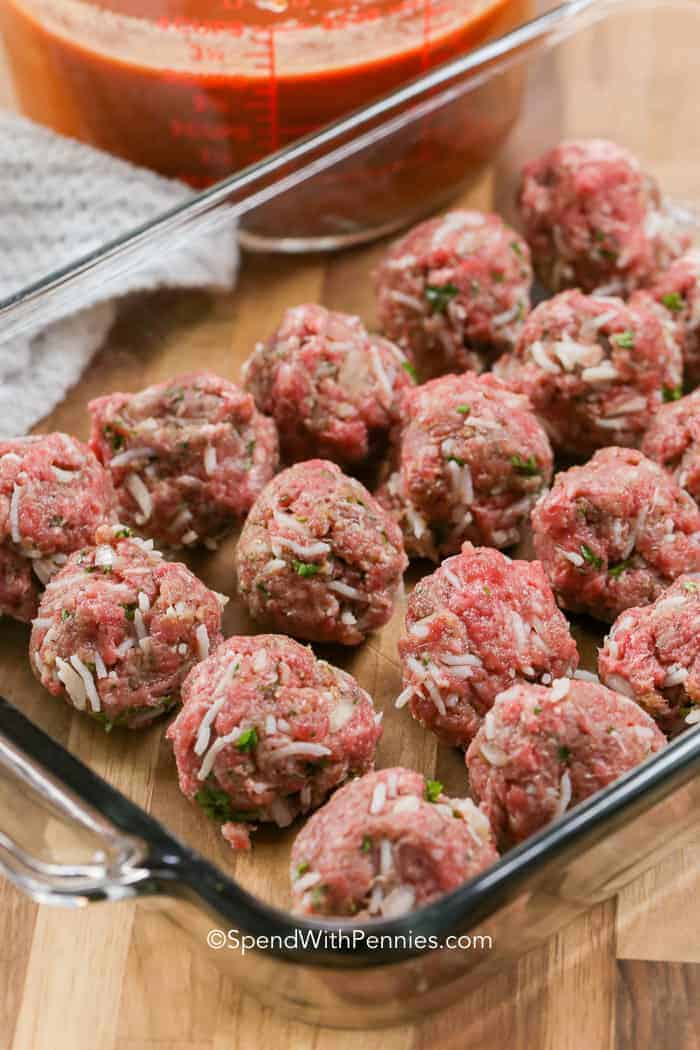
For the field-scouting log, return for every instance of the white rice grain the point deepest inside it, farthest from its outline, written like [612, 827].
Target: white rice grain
[347, 591]
[310, 550]
[302, 749]
[378, 798]
[14, 515]
[100, 669]
[406, 804]
[404, 697]
[560, 688]
[564, 795]
[131, 455]
[202, 636]
[88, 681]
[73, 682]
[136, 487]
[493, 755]
[210, 459]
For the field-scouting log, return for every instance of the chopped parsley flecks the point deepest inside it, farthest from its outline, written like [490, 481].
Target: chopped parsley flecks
[671, 393]
[591, 557]
[303, 568]
[440, 296]
[624, 339]
[528, 466]
[301, 869]
[433, 790]
[464, 410]
[408, 367]
[113, 438]
[317, 895]
[563, 753]
[247, 740]
[366, 844]
[674, 302]
[617, 570]
[215, 803]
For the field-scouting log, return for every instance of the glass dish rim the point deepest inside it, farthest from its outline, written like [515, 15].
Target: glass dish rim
[175, 866]
[32, 305]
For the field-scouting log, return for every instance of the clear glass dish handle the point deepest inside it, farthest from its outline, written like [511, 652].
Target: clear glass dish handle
[54, 845]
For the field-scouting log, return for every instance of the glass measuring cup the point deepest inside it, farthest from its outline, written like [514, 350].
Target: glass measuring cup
[198, 89]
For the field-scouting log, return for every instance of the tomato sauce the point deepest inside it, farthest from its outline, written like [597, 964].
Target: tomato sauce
[198, 89]
[245, 77]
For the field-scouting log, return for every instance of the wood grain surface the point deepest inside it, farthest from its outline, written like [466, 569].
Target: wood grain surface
[625, 976]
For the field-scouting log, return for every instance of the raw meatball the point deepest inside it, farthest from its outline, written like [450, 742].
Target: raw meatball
[475, 625]
[332, 389]
[652, 654]
[385, 844]
[595, 369]
[318, 557]
[541, 751]
[266, 731]
[188, 457]
[470, 462]
[53, 495]
[614, 533]
[673, 440]
[119, 628]
[595, 220]
[454, 291]
[677, 290]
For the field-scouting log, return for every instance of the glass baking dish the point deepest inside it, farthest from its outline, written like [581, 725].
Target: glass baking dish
[68, 837]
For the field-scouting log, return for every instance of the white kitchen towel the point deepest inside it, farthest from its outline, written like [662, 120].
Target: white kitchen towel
[60, 200]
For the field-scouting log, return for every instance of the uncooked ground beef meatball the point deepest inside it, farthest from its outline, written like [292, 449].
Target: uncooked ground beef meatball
[595, 369]
[333, 389]
[595, 220]
[677, 290]
[454, 291]
[386, 844]
[469, 463]
[318, 557]
[673, 440]
[542, 750]
[614, 533]
[188, 456]
[473, 627]
[118, 628]
[266, 731]
[53, 495]
[652, 655]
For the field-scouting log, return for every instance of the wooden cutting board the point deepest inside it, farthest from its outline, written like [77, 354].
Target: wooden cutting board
[625, 976]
